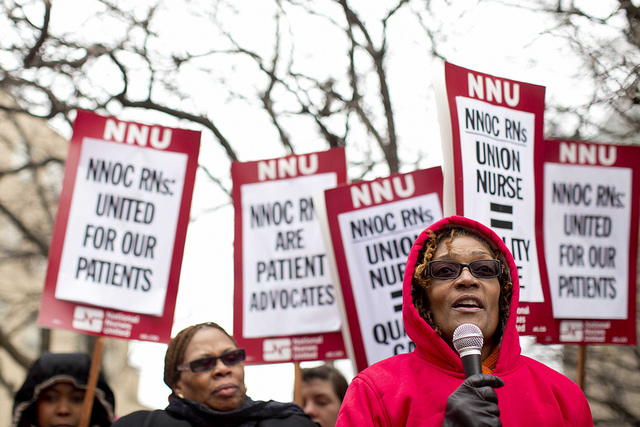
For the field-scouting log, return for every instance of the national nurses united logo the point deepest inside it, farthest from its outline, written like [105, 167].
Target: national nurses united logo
[276, 350]
[88, 319]
[571, 331]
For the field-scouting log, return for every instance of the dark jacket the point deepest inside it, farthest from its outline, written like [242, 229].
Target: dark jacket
[52, 368]
[412, 389]
[187, 413]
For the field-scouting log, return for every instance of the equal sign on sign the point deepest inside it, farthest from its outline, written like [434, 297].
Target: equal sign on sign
[396, 295]
[499, 223]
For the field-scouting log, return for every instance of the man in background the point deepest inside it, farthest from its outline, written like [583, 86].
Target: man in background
[323, 389]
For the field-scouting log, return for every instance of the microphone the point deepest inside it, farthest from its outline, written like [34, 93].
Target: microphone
[468, 341]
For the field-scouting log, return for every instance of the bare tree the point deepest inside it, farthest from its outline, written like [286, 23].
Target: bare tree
[185, 64]
[132, 66]
[31, 164]
[605, 39]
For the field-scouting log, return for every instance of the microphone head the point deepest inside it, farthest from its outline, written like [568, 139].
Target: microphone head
[468, 339]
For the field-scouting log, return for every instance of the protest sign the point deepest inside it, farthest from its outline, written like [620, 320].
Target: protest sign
[372, 227]
[118, 240]
[285, 305]
[491, 129]
[590, 198]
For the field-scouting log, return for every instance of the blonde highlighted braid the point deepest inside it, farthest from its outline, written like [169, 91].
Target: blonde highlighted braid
[421, 280]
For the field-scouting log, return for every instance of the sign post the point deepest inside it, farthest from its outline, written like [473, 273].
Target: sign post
[117, 243]
[92, 382]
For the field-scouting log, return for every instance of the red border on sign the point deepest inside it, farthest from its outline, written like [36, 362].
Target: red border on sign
[538, 315]
[622, 331]
[330, 345]
[55, 313]
[531, 101]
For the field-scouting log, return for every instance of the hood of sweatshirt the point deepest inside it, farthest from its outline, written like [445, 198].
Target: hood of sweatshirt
[429, 345]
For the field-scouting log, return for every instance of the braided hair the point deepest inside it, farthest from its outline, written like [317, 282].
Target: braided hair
[421, 282]
[178, 346]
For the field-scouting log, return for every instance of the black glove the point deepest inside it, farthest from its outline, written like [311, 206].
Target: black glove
[474, 403]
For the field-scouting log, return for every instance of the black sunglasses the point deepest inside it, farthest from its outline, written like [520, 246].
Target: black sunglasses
[208, 363]
[449, 269]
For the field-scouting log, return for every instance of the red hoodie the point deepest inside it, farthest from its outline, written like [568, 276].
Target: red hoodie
[412, 389]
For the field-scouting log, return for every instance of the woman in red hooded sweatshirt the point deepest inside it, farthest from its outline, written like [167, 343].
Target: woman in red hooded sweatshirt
[459, 271]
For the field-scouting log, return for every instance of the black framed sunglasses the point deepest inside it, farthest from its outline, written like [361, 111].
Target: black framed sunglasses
[208, 363]
[449, 269]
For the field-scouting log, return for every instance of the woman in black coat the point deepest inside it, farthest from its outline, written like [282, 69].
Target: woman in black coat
[203, 367]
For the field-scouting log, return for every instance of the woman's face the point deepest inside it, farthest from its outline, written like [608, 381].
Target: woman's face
[221, 388]
[60, 405]
[466, 299]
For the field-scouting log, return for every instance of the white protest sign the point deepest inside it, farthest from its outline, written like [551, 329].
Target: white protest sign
[587, 220]
[497, 157]
[377, 242]
[119, 243]
[491, 128]
[285, 270]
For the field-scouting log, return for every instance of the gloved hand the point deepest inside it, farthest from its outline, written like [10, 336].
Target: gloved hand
[474, 403]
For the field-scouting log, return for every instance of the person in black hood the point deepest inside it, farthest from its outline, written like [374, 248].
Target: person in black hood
[204, 369]
[53, 393]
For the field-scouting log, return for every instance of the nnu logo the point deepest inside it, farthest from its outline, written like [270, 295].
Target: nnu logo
[88, 319]
[276, 350]
[571, 331]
